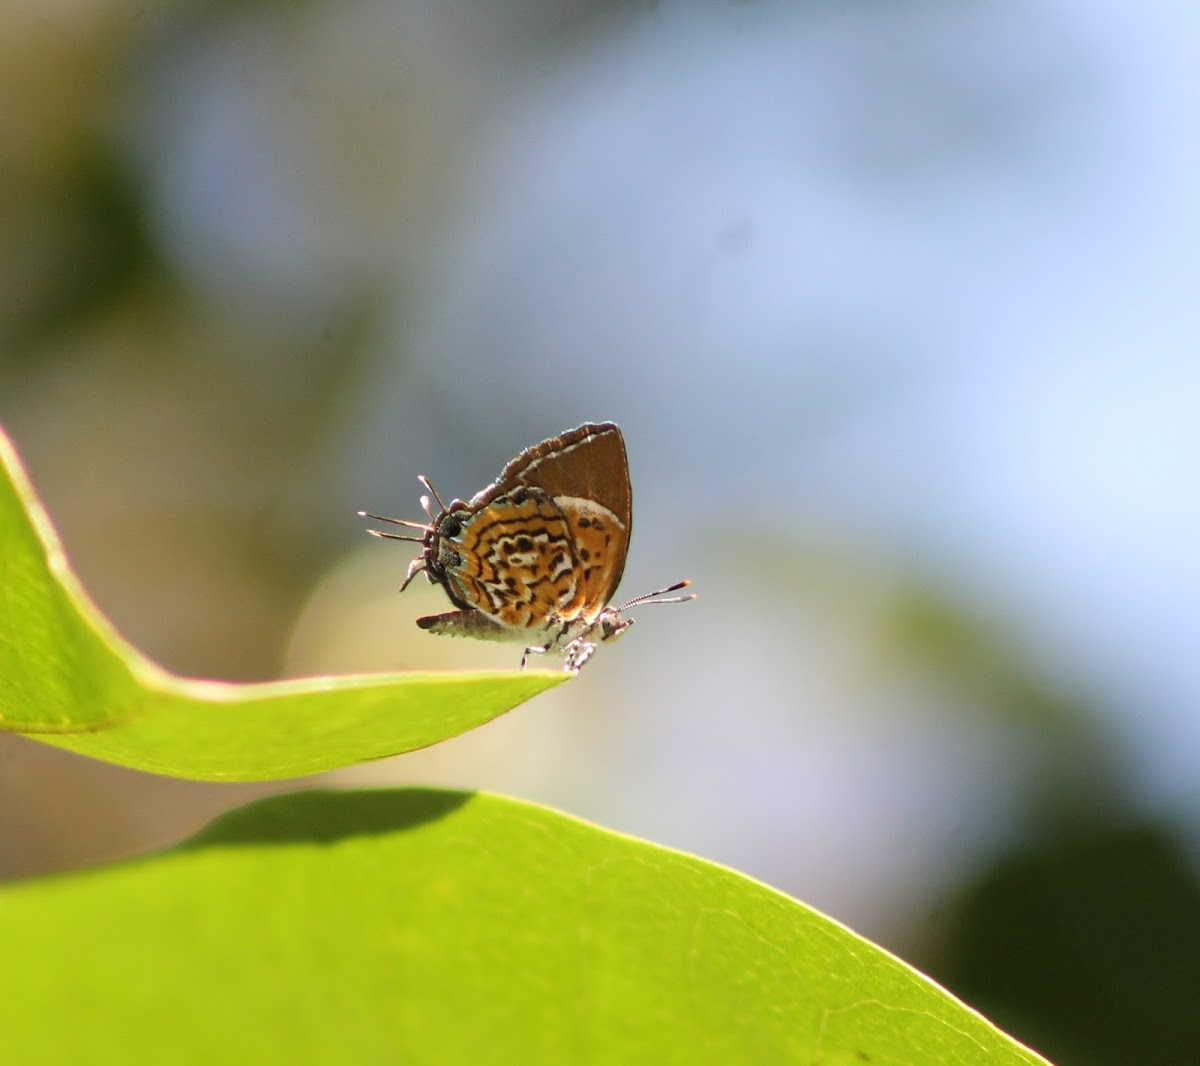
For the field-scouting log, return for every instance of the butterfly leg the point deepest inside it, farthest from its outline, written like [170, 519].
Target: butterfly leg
[414, 568]
[536, 649]
[578, 652]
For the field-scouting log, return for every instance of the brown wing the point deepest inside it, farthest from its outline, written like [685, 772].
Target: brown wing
[587, 463]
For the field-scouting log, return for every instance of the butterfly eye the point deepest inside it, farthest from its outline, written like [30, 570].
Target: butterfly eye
[447, 558]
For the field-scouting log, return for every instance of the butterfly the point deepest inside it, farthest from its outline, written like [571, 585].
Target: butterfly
[538, 554]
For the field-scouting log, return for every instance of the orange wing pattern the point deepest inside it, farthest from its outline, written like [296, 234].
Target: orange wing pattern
[600, 541]
[517, 561]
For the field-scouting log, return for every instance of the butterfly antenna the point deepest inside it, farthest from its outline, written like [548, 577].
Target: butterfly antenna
[398, 522]
[652, 597]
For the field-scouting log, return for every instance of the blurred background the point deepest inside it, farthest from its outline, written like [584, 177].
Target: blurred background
[896, 305]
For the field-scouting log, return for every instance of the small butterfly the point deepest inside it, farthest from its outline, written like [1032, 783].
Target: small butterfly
[538, 554]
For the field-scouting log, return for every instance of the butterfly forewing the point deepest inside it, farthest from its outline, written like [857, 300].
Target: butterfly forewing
[586, 472]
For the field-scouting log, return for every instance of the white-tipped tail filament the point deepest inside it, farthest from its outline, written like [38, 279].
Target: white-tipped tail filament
[423, 526]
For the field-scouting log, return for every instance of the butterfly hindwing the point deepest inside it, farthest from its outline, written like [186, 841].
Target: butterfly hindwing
[600, 542]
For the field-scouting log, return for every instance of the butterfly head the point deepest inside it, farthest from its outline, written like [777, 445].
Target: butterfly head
[438, 554]
[611, 623]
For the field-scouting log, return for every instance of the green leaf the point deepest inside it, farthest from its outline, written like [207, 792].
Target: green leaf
[67, 678]
[424, 926]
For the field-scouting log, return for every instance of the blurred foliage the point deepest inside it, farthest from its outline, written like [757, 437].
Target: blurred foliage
[987, 665]
[100, 250]
[1083, 938]
[1086, 944]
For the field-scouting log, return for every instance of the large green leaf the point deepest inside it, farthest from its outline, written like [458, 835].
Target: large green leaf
[69, 679]
[436, 927]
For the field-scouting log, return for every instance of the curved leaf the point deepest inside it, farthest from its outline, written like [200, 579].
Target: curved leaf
[440, 927]
[69, 679]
